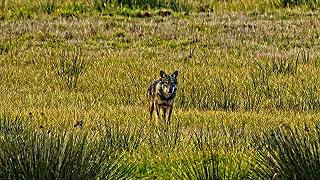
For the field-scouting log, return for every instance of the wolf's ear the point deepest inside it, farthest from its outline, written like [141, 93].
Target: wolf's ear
[175, 74]
[162, 74]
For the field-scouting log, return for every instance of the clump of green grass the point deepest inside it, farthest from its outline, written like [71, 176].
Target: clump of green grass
[226, 97]
[70, 67]
[72, 10]
[49, 7]
[220, 93]
[2, 4]
[5, 47]
[222, 137]
[304, 57]
[205, 168]
[313, 4]
[22, 13]
[310, 100]
[11, 125]
[179, 6]
[164, 138]
[58, 156]
[284, 66]
[43, 154]
[175, 5]
[288, 153]
[208, 166]
[124, 138]
[252, 96]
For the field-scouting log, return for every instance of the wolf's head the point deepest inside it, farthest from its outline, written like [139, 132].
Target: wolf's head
[168, 84]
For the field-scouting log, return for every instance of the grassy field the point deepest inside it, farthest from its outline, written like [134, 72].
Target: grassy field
[74, 76]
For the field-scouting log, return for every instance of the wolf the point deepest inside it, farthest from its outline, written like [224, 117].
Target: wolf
[161, 94]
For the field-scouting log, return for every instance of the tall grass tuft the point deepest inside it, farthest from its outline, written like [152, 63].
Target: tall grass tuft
[226, 95]
[70, 67]
[288, 153]
[60, 155]
[206, 168]
[252, 96]
[49, 7]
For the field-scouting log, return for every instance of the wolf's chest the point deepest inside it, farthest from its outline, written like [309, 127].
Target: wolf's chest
[162, 102]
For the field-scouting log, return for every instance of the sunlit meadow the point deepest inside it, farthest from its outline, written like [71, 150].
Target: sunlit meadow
[74, 78]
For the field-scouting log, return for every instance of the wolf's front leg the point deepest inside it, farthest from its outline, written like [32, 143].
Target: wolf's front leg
[164, 117]
[151, 108]
[169, 115]
[158, 113]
